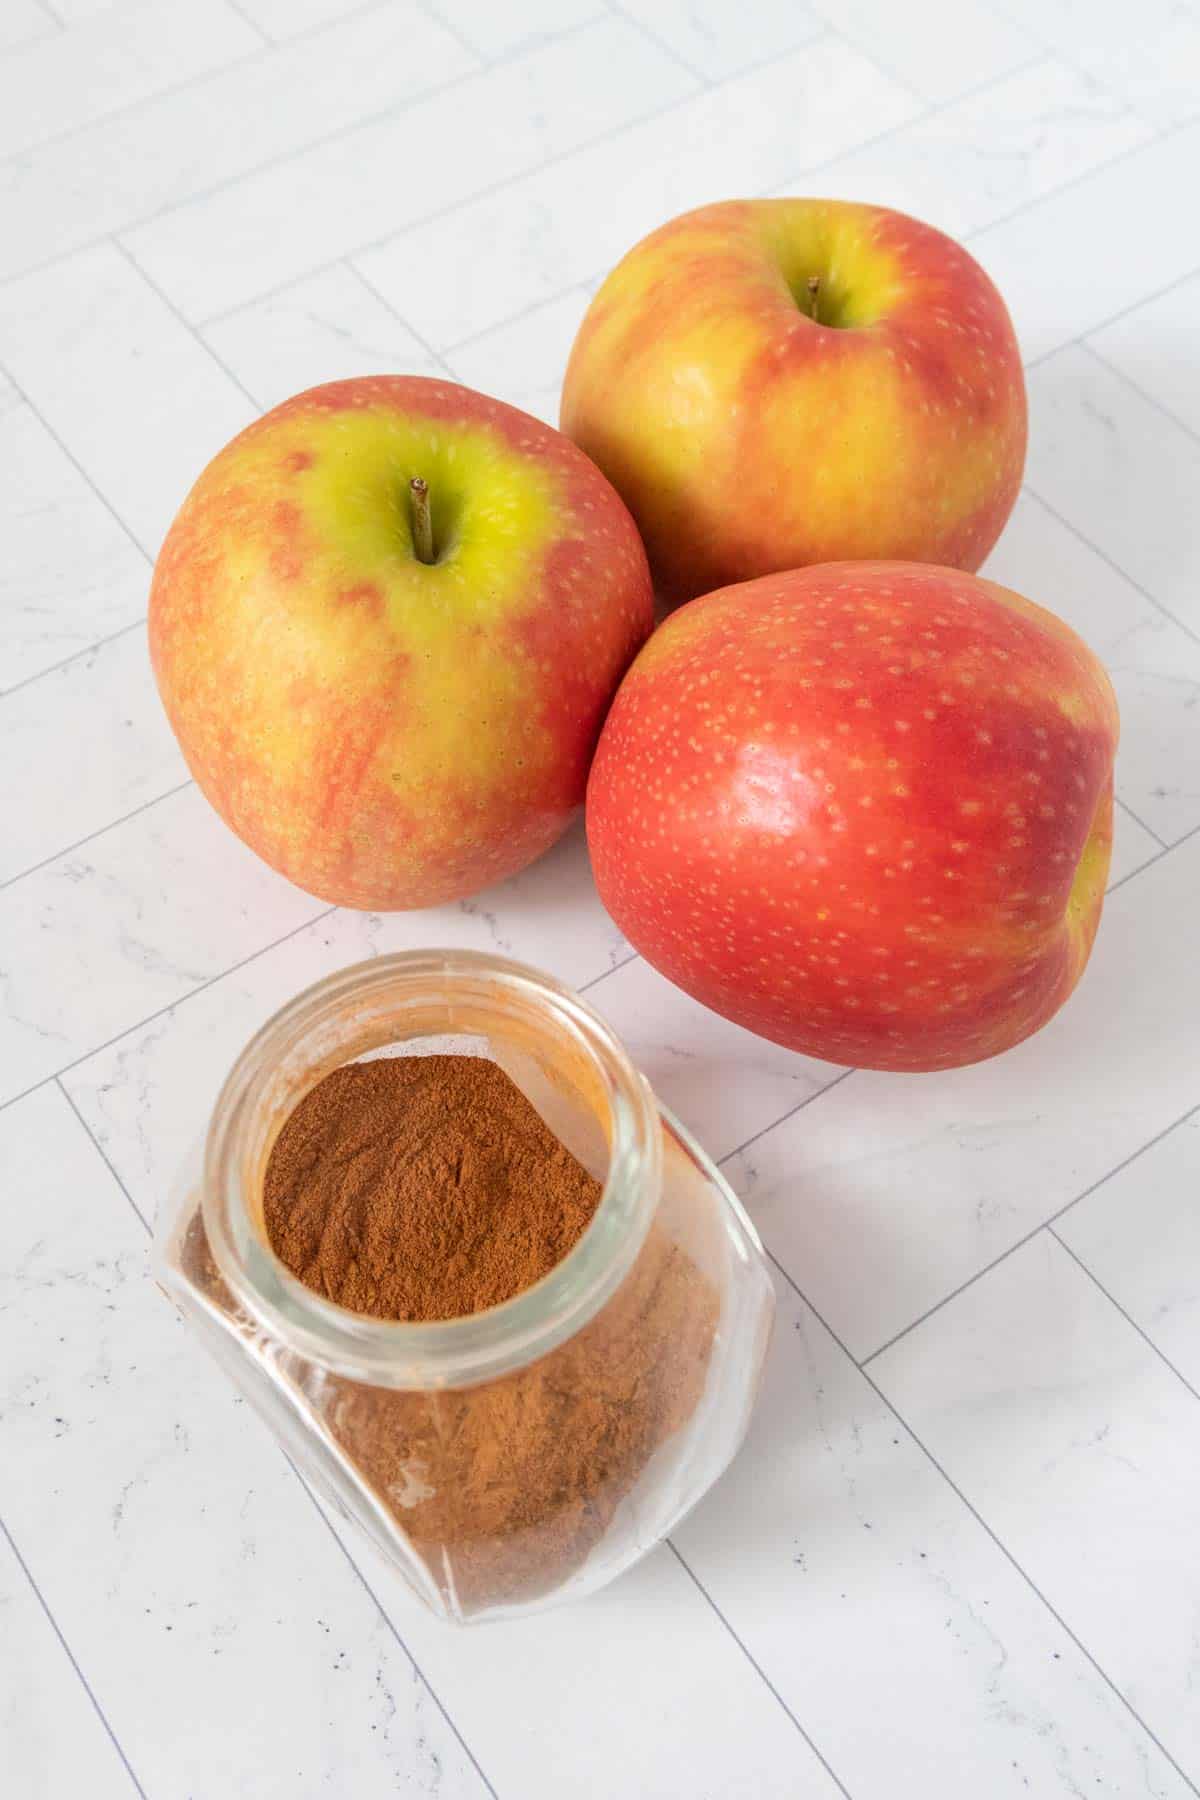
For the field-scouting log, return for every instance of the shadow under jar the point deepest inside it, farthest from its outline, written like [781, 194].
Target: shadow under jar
[528, 1454]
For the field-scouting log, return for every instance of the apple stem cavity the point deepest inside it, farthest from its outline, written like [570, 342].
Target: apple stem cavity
[813, 285]
[421, 520]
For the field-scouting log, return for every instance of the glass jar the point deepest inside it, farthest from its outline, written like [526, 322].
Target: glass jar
[526, 1454]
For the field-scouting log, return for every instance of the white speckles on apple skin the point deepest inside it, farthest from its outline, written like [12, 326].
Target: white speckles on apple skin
[766, 842]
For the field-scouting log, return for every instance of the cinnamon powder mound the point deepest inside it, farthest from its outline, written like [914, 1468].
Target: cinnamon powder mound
[422, 1187]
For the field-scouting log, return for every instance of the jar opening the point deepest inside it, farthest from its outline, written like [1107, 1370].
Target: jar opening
[561, 1055]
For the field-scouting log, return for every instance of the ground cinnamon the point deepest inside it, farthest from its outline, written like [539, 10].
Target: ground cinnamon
[428, 1187]
[422, 1187]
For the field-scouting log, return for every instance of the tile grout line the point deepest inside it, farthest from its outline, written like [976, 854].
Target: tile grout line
[894, 1410]
[755, 1665]
[616, 10]
[384, 1614]
[123, 111]
[70, 849]
[1127, 1316]
[608, 136]
[433, 11]
[1042, 1225]
[76, 464]
[1074, 181]
[380, 115]
[1148, 1145]
[1151, 860]
[261, 52]
[1104, 556]
[783, 1119]
[926, 110]
[828, 35]
[1083, 338]
[75, 656]
[369, 286]
[1032, 1585]
[1148, 829]
[1000, 9]
[265, 40]
[525, 312]
[159, 1012]
[192, 330]
[70, 1656]
[595, 980]
[1135, 387]
[102, 1153]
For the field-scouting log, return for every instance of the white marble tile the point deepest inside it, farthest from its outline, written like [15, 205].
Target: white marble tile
[890, 1190]
[114, 60]
[1149, 59]
[178, 1552]
[1125, 476]
[100, 938]
[76, 12]
[81, 747]
[500, 31]
[991, 154]
[523, 362]
[245, 240]
[131, 392]
[724, 1083]
[1077, 258]
[564, 224]
[1133, 846]
[70, 573]
[111, 174]
[1155, 666]
[323, 328]
[280, 20]
[147, 1097]
[940, 48]
[24, 22]
[640, 1691]
[1154, 346]
[1139, 1234]
[1081, 1448]
[884, 1614]
[719, 40]
[54, 1741]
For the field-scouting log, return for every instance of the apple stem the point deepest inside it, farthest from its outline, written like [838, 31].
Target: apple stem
[814, 290]
[422, 520]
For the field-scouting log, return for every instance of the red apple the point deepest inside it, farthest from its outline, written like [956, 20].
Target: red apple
[388, 721]
[771, 383]
[863, 809]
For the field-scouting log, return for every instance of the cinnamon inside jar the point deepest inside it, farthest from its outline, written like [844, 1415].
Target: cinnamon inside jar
[428, 1187]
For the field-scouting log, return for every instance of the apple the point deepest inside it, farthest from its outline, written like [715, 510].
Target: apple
[386, 625]
[863, 809]
[772, 383]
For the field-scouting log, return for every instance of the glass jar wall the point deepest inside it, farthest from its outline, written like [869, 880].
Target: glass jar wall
[526, 1454]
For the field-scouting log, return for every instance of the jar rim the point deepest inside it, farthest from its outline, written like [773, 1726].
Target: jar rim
[478, 1346]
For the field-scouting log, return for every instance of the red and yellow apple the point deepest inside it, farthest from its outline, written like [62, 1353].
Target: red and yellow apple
[863, 809]
[391, 723]
[773, 383]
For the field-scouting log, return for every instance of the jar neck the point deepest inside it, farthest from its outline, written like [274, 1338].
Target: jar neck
[568, 1062]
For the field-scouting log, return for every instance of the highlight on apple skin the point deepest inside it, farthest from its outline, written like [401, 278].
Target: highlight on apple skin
[863, 809]
[775, 383]
[386, 626]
